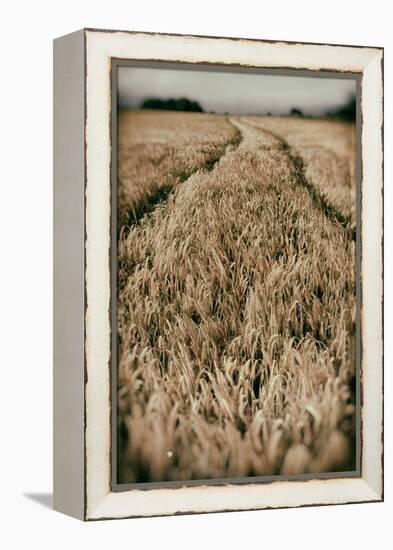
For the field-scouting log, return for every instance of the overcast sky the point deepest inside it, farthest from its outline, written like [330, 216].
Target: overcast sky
[236, 93]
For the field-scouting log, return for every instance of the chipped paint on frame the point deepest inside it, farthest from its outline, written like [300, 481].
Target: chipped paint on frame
[100, 502]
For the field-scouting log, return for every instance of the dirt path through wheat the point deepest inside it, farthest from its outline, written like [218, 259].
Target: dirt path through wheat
[319, 198]
[148, 171]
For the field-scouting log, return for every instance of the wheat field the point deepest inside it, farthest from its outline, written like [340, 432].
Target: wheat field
[236, 296]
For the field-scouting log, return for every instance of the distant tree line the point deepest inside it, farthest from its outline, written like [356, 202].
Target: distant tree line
[347, 112]
[296, 112]
[181, 104]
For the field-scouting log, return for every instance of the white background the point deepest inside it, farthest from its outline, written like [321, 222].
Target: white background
[26, 273]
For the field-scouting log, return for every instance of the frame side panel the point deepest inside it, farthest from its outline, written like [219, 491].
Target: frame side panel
[372, 274]
[68, 254]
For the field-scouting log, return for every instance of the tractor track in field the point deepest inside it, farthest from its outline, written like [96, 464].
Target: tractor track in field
[146, 207]
[297, 162]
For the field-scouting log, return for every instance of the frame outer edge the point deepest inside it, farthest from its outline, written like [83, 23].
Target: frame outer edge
[371, 491]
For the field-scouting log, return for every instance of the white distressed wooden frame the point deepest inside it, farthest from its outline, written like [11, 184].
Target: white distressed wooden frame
[82, 417]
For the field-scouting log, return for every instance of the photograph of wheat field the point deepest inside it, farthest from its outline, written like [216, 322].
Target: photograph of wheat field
[236, 286]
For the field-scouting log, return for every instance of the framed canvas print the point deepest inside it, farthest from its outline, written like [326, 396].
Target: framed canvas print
[218, 270]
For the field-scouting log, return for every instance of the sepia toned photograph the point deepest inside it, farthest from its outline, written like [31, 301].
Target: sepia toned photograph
[236, 304]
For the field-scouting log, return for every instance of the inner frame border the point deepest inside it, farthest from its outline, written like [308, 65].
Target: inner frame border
[115, 63]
